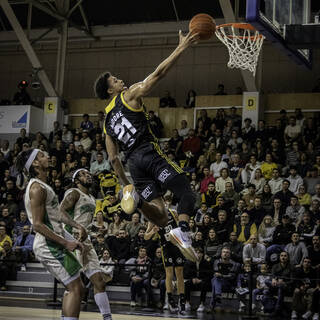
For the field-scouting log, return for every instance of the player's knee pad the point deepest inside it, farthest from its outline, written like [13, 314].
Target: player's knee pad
[180, 186]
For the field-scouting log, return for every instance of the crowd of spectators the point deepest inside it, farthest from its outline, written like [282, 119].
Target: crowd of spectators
[257, 206]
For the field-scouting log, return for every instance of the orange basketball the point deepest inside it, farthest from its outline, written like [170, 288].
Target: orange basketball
[203, 24]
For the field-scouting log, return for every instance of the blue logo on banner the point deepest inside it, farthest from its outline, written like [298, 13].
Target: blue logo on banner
[21, 123]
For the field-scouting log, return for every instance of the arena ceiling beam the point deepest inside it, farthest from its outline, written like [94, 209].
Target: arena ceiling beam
[84, 18]
[3, 25]
[35, 62]
[41, 36]
[16, 2]
[29, 20]
[54, 13]
[63, 8]
[74, 8]
[229, 16]
[175, 10]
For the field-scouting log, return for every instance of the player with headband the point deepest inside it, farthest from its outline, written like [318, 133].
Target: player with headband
[51, 245]
[81, 205]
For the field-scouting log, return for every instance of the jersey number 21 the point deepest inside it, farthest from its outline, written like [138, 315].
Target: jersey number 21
[125, 131]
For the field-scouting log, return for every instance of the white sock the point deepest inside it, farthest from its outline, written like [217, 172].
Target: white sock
[62, 317]
[102, 302]
[70, 318]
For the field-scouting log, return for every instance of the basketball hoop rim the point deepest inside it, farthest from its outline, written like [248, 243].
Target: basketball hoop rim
[237, 25]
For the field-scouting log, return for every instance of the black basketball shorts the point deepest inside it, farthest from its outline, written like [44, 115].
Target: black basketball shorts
[171, 255]
[151, 170]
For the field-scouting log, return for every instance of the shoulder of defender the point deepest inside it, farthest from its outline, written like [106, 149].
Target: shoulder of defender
[72, 195]
[37, 190]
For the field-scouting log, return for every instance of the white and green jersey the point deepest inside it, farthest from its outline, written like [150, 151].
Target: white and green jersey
[84, 208]
[52, 217]
[60, 262]
[82, 213]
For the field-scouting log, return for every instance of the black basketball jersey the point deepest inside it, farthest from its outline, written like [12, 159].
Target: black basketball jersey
[164, 232]
[126, 125]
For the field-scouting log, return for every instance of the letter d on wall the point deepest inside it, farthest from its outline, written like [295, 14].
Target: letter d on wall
[251, 103]
[251, 108]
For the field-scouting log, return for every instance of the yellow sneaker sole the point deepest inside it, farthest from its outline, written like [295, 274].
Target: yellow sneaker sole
[127, 202]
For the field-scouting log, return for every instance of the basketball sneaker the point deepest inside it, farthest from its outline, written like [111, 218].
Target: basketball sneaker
[183, 241]
[173, 307]
[130, 199]
[132, 304]
[307, 315]
[188, 306]
[201, 308]
[242, 307]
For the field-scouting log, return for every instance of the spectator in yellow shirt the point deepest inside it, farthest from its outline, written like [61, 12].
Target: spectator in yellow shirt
[268, 166]
[244, 229]
[4, 237]
[303, 196]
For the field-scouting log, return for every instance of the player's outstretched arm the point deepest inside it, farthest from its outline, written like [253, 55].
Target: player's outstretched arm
[141, 89]
[113, 156]
[38, 197]
[66, 206]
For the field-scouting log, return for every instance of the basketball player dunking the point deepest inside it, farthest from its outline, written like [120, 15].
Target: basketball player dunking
[127, 127]
[50, 246]
[80, 205]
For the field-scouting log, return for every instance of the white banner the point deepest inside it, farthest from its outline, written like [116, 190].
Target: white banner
[52, 113]
[14, 118]
[251, 107]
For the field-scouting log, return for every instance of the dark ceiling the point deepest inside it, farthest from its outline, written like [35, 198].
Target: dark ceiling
[104, 12]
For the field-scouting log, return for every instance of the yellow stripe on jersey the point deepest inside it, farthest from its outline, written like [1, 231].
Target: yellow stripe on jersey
[175, 215]
[173, 164]
[111, 105]
[162, 256]
[149, 129]
[126, 105]
[104, 127]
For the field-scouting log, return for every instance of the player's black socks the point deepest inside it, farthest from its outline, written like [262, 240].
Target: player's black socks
[182, 302]
[184, 226]
[170, 299]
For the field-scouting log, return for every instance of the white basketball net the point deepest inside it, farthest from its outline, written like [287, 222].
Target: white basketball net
[243, 44]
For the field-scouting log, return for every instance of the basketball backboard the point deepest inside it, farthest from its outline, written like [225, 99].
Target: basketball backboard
[278, 20]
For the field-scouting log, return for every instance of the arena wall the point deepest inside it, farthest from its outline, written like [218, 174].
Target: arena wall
[171, 118]
[200, 68]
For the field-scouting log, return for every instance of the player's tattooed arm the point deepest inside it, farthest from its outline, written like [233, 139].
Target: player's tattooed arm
[113, 156]
[66, 206]
[38, 196]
